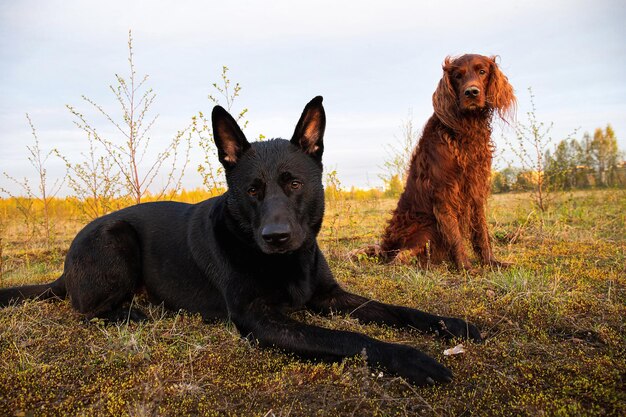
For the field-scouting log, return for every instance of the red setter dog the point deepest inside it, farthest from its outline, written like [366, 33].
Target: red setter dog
[448, 178]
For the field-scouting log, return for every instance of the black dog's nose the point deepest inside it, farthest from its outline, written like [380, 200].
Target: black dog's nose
[276, 234]
[472, 91]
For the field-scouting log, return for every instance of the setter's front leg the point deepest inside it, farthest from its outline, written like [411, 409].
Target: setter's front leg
[481, 241]
[450, 232]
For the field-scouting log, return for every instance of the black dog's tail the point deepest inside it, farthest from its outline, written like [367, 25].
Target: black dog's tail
[42, 292]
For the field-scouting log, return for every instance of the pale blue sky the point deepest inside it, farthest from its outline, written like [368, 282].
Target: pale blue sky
[371, 60]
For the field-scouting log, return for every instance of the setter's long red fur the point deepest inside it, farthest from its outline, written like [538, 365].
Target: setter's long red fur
[448, 179]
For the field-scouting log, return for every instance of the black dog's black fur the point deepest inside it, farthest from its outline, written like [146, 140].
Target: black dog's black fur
[250, 256]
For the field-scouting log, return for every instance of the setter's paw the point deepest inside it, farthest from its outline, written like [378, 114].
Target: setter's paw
[498, 264]
[370, 251]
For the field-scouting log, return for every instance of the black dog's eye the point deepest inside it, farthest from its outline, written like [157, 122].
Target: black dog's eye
[482, 72]
[253, 191]
[295, 185]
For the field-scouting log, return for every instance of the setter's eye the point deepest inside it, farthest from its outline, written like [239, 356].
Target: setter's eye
[295, 185]
[458, 75]
[253, 191]
[482, 72]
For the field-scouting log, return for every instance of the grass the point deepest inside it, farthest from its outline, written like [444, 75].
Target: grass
[554, 325]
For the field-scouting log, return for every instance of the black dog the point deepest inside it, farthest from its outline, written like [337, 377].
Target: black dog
[250, 256]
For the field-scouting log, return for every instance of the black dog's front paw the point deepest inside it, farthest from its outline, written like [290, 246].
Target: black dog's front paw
[450, 327]
[417, 367]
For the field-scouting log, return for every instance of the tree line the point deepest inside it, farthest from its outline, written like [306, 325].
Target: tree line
[593, 161]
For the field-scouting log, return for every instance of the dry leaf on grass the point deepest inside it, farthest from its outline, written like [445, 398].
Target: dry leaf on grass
[454, 351]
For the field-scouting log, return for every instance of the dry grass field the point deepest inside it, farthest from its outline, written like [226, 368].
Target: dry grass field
[554, 327]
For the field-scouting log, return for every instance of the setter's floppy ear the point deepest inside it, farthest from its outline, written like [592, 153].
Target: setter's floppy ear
[500, 95]
[229, 139]
[445, 100]
[309, 132]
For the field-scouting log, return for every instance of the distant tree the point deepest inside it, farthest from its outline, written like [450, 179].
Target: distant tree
[592, 161]
[504, 181]
[526, 181]
[394, 186]
[561, 166]
[604, 155]
[585, 158]
[511, 174]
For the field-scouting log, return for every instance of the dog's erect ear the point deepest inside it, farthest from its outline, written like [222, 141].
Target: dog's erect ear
[309, 132]
[229, 139]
